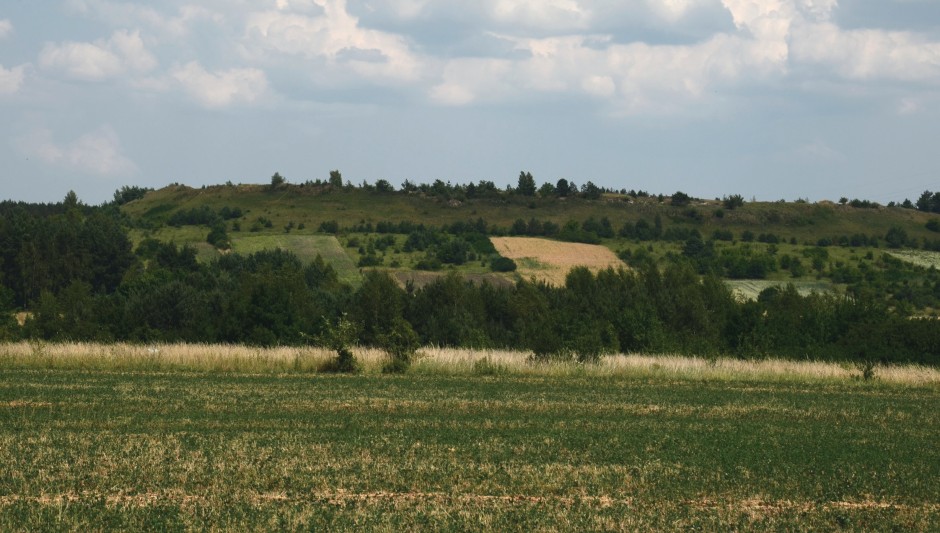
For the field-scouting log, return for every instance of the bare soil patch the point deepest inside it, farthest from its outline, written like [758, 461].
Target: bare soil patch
[550, 261]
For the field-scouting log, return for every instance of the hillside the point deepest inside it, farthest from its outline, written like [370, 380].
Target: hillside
[821, 246]
[312, 205]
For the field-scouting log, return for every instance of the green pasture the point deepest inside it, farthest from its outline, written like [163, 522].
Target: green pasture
[182, 450]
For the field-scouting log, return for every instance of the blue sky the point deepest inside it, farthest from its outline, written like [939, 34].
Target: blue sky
[773, 99]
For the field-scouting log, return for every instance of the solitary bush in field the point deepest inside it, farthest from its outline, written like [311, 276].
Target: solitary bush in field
[401, 343]
[339, 338]
[503, 264]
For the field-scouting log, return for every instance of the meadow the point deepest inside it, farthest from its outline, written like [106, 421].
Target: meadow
[174, 437]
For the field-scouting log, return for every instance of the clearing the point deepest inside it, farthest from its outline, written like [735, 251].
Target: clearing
[305, 247]
[924, 258]
[550, 261]
[751, 288]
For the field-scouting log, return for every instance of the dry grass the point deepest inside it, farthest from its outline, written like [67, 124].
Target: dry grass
[550, 261]
[923, 258]
[235, 358]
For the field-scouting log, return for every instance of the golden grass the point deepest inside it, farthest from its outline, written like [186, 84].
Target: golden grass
[455, 361]
[550, 261]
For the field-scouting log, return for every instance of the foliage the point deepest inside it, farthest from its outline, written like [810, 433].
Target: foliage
[526, 185]
[401, 343]
[340, 338]
[503, 264]
[680, 199]
[732, 202]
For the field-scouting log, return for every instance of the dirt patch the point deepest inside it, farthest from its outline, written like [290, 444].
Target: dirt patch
[550, 261]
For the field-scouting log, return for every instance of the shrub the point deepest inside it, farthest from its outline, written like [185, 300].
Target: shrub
[401, 343]
[339, 338]
[503, 264]
[329, 226]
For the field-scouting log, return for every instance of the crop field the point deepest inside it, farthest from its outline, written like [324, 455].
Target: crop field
[751, 288]
[551, 261]
[121, 437]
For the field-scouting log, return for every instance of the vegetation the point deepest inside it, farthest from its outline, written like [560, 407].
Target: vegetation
[492, 447]
[70, 270]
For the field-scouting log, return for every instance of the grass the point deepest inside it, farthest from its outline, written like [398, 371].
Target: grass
[672, 446]
[306, 247]
[923, 258]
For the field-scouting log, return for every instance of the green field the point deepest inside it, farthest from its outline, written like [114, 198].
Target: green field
[180, 449]
[305, 247]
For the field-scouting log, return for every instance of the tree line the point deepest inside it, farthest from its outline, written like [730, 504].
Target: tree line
[73, 268]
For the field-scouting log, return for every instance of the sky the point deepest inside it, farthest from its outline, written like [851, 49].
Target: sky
[771, 99]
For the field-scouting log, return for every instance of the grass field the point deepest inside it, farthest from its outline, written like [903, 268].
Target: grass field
[674, 444]
[306, 247]
[551, 261]
[924, 258]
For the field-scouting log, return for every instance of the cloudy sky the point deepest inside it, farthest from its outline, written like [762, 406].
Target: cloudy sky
[767, 98]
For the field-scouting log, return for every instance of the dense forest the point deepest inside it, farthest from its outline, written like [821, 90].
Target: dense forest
[75, 271]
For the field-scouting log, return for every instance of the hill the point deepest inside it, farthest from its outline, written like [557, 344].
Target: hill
[817, 246]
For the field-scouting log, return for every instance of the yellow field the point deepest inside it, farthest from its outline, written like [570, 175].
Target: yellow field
[550, 261]
[435, 360]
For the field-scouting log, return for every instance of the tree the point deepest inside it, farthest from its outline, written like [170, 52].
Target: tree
[129, 193]
[384, 186]
[336, 179]
[680, 199]
[896, 237]
[562, 188]
[732, 202]
[526, 185]
[277, 180]
[590, 191]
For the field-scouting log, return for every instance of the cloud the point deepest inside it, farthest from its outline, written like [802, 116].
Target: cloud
[124, 52]
[11, 79]
[333, 37]
[134, 14]
[97, 152]
[6, 28]
[221, 88]
[867, 54]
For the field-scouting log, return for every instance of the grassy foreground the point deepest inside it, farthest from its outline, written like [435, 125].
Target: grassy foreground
[459, 444]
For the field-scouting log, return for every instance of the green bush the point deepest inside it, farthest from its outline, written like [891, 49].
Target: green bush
[503, 264]
[401, 343]
[339, 338]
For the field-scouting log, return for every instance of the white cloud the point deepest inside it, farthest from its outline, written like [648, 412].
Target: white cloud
[221, 88]
[6, 28]
[633, 78]
[334, 37]
[546, 14]
[97, 152]
[868, 54]
[11, 79]
[137, 14]
[123, 52]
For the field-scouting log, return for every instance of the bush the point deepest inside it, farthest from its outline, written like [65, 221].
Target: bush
[503, 264]
[401, 343]
[339, 338]
[329, 226]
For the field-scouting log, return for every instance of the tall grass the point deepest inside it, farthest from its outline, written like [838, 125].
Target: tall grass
[453, 361]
